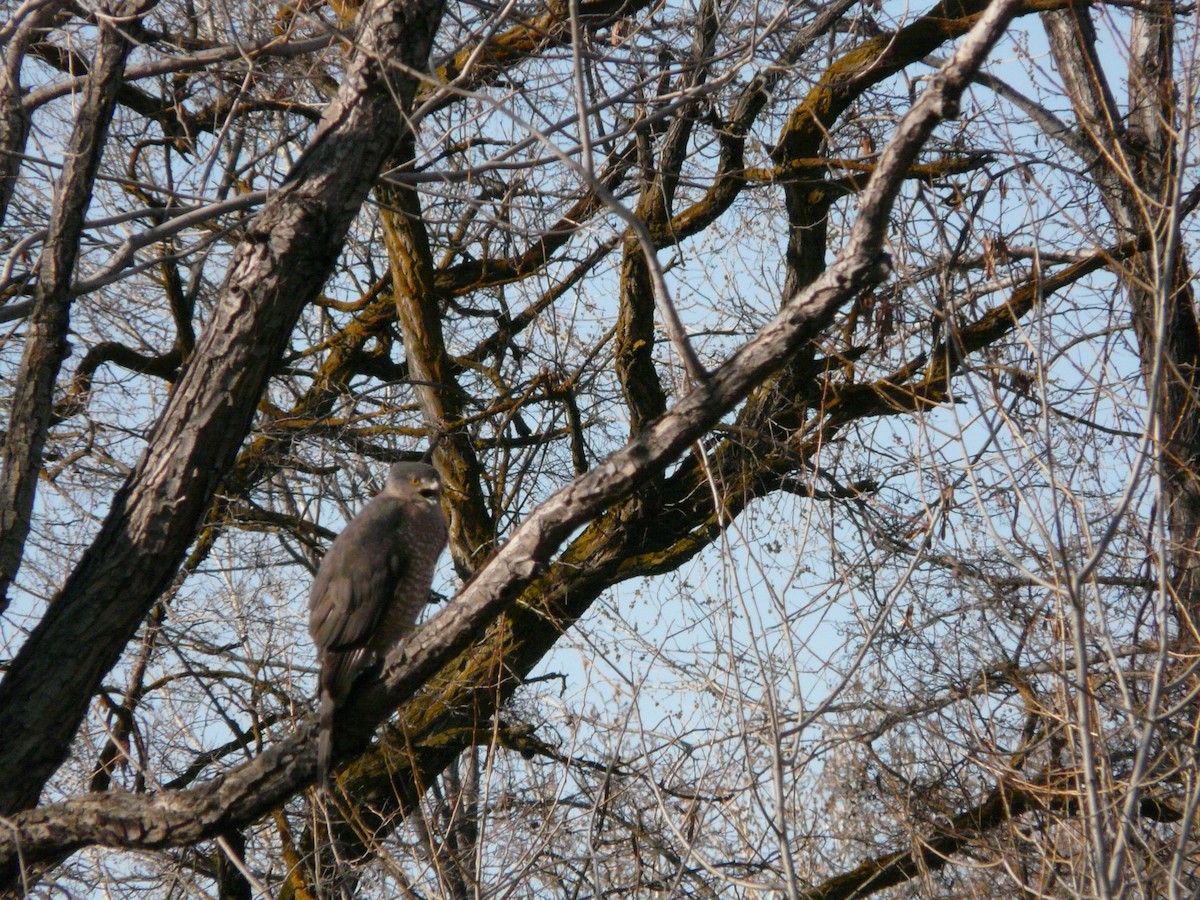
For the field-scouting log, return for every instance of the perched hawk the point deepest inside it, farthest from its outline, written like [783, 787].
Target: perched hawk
[372, 585]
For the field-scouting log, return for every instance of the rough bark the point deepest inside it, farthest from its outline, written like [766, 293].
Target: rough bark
[280, 265]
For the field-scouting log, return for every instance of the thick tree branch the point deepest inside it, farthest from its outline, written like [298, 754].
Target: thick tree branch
[280, 265]
[418, 310]
[1001, 805]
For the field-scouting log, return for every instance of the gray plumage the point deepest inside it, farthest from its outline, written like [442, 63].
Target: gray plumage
[372, 585]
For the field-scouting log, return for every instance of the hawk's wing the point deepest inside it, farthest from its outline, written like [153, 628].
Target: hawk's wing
[357, 579]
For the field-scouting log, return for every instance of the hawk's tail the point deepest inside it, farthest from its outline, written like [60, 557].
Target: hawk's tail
[325, 736]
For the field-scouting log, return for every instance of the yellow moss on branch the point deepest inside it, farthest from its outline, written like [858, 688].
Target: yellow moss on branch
[874, 60]
[815, 168]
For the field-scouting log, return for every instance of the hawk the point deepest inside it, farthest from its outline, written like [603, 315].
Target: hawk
[371, 586]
